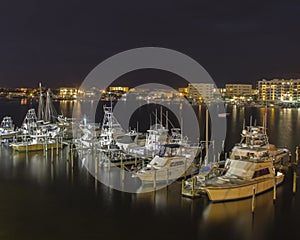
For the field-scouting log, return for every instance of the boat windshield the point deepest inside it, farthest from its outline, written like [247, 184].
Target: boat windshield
[170, 150]
[241, 169]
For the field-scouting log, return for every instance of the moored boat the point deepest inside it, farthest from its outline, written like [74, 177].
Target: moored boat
[34, 145]
[7, 128]
[170, 164]
[240, 178]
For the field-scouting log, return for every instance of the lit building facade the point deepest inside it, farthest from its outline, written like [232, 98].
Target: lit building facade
[201, 91]
[66, 93]
[183, 92]
[279, 90]
[119, 89]
[238, 90]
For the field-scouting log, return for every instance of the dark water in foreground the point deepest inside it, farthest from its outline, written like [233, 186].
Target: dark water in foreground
[44, 199]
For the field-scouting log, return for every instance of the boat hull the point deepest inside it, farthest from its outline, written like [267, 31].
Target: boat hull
[220, 193]
[165, 175]
[33, 147]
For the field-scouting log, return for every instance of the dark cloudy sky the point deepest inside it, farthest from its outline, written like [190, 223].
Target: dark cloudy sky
[59, 42]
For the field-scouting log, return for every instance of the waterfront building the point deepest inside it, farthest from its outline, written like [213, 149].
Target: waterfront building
[119, 89]
[201, 91]
[279, 90]
[67, 93]
[238, 90]
[183, 92]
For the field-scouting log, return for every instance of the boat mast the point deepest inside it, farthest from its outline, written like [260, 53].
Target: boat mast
[167, 119]
[206, 137]
[266, 119]
[41, 104]
[161, 115]
[156, 119]
[50, 112]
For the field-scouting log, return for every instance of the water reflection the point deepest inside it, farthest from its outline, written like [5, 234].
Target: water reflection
[244, 224]
[36, 185]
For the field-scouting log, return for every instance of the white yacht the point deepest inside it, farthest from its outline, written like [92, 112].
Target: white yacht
[34, 136]
[171, 163]
[7, 129]
[252, 171]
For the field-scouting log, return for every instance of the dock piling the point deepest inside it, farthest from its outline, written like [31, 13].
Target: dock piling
[274, 191]
[154, 180]
[193, 186]
[253, 201]
[51, 154]
[167, 176]
[294, 182]
[56, 140]
[123, 171]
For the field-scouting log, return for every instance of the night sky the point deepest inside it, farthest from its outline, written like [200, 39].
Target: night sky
[60, 42]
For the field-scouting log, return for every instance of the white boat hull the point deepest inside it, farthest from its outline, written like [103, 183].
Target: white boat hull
[223, 193]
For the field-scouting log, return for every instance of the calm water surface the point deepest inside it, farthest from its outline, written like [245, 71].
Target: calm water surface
[42, 198]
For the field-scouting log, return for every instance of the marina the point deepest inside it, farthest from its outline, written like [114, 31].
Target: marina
[67, 166]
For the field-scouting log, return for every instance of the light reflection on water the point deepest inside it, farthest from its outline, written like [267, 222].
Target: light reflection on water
[75, 206]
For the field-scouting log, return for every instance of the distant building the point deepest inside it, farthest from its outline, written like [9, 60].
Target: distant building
[201, 91]
[279, 90]
[221, 91]
[67, 93]
[183, 92]
[119, 89]
[238, 90]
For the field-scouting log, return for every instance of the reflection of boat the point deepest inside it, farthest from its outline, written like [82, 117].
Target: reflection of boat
[171, 163]
[237, 219]
[242, 175]
[7, 128]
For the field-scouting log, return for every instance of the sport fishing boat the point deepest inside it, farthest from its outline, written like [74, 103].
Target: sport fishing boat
[171, 163]
[241, 176]
[34, 136]
[7, 129]
[37, 143]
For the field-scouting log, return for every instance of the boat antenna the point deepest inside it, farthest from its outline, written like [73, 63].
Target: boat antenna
[266, 118]
[41, 104]
[161, 115]
[156, 119]
[110, 99]
[206, 137]
[167, 121]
